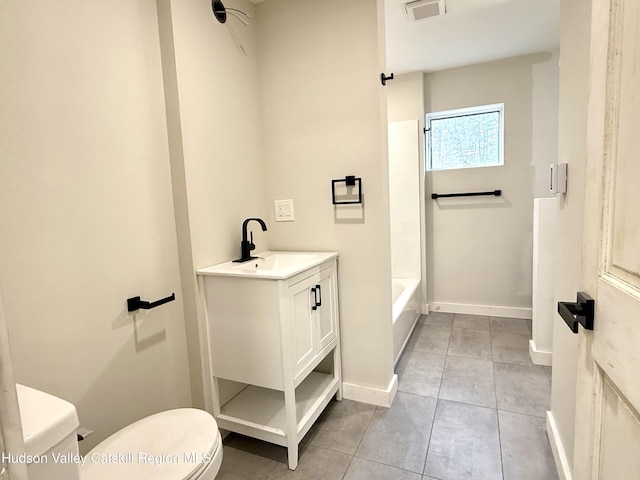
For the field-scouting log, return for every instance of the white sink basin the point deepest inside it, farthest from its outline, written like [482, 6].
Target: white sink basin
[271, 265]
[275, 262]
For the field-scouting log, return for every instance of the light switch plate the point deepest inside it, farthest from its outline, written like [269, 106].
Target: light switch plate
[284, 210]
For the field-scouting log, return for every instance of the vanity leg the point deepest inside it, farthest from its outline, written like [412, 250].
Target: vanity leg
[292, 425]
[337, 370]
[292, 451]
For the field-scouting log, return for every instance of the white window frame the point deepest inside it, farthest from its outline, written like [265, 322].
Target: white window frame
[462, 112]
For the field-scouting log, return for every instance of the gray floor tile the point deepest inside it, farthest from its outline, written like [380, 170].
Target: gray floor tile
[361, 469]
[394, 443]
[468, 380]
[341, 426]
[399, 436]
[315, 463]
[526, 453]
[430, 339]
[478, 322]
[438, 318]
[245, 458]
[511, 325]
[510, 347]
[522, 389]
[465, 443]
[467, 342]
[420, 373]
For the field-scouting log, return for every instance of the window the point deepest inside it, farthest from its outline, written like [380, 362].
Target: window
[465, 138]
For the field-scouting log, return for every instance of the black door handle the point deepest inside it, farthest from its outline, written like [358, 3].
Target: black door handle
[319, 302]
[581, 312]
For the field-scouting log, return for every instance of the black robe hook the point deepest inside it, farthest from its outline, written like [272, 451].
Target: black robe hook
[384, 78]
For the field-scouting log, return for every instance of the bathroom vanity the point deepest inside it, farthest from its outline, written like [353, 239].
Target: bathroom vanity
[272, 324]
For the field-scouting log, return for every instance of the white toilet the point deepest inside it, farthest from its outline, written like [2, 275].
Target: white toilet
[181, 444]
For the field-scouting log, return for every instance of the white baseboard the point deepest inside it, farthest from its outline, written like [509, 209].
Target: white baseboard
[559, 455]
[374, 396]
[490, 310]
[425, 309]
[539, 357]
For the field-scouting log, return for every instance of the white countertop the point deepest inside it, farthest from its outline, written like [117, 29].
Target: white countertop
[270, 265]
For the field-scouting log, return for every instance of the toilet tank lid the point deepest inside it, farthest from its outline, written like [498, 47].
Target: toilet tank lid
[46, 420]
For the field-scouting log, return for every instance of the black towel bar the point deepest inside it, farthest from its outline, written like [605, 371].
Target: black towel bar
[496, 193]
[134, 303]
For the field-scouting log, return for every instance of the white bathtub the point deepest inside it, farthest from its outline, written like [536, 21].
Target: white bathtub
[405, 312]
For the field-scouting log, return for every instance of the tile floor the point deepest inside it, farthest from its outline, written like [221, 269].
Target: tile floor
[470, 405]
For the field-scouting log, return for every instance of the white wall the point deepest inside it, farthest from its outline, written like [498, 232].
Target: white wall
[544, 148]
[575, 18]
[251, 132]
[132, 150]
[211, 87]
[324, 111]
[254, 133]
[86, 209]
[479, 250]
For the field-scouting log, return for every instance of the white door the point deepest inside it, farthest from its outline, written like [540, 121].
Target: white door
[607, 438]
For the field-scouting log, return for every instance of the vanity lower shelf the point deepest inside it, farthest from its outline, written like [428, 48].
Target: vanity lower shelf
[260, 412]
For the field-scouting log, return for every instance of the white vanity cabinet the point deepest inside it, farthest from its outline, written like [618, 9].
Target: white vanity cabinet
[272, 325]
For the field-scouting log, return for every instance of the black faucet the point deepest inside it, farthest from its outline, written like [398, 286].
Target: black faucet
[247, 245]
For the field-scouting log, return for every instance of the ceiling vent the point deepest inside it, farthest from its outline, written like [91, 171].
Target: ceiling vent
[424, 8]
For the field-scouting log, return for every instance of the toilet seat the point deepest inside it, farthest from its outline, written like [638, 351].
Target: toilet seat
[181, 444]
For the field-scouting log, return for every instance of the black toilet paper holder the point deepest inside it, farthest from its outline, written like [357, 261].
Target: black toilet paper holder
[135, 303]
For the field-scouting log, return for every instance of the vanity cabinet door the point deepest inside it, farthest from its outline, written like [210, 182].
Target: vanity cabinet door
[326, 312]
[302, 318]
